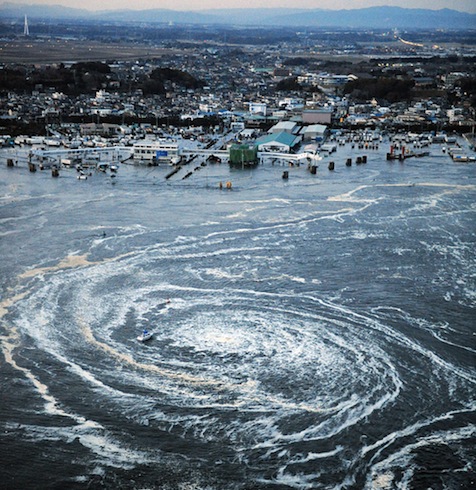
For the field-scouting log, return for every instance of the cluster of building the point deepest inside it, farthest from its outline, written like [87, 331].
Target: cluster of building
[239, 94]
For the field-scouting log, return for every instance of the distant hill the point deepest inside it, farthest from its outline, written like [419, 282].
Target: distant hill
[15, 11]
[157, 15]
[374, 17]
[386, 17]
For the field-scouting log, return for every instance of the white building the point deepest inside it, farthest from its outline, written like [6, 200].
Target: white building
[454, 114]
[162, 151]
[291, 103]
[237, 126]
[286, 127]
[101, 96]
[258, 108]
[314, 132]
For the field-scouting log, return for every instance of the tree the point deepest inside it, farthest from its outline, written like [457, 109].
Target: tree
[389, 89]
[288, 85]
[179, 77]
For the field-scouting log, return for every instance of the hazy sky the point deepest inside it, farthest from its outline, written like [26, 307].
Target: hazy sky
[462, 5]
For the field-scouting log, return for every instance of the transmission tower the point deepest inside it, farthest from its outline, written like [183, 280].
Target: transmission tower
[26, 31]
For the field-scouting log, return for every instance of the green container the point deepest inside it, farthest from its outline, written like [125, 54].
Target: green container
[243, 155]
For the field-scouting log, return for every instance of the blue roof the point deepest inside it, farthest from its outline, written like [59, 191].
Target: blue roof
[282, 138]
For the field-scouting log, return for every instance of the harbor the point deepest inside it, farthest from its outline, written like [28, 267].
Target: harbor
[177, 160]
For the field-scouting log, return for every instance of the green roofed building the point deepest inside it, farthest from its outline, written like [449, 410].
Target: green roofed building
[243, 154]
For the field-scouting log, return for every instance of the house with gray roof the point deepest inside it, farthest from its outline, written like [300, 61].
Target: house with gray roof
[316, 132]
[285, 126]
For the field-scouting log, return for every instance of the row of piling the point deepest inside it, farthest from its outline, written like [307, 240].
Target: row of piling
[313, 169]
[32, 168]
[348, 163]
[331, 166]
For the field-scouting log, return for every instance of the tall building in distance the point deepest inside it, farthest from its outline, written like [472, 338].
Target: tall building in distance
[26, 31]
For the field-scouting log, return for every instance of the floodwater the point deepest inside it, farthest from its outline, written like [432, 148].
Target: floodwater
[315, 332]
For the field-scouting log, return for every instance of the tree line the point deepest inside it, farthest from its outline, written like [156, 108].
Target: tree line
[87, 77]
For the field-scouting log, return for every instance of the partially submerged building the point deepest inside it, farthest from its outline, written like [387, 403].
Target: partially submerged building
[278, 142]
[314, 132]
[156, 152]
[243, 154]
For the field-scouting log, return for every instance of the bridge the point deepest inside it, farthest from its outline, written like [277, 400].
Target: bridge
[204, 152]
[115, 151]
[305, 157]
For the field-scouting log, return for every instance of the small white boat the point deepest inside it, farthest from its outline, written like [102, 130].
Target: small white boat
[144, 336]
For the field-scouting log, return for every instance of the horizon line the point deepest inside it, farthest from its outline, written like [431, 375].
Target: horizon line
[18, 6]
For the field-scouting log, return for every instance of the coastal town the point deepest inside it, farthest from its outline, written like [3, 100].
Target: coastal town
[239, 102]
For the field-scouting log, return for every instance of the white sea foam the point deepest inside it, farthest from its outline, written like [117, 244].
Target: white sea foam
[403, 457]
[300, 458]
[108, 451]
[291, 367]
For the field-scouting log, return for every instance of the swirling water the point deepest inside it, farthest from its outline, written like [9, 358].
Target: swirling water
[310, 333]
